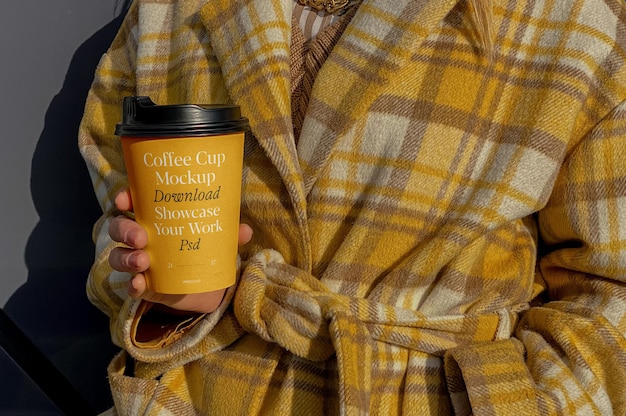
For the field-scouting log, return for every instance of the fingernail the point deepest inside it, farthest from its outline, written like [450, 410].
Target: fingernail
[131, 237]
[132, 261]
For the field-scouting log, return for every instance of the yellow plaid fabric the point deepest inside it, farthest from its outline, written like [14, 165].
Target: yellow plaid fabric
[448, 236]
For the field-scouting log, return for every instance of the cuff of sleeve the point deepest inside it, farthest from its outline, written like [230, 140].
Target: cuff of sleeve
[153, 328]
[175, 338]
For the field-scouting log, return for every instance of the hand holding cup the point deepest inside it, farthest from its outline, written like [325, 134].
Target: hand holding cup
[133, 259]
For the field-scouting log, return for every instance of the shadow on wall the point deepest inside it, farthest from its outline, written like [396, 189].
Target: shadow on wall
[51, 307]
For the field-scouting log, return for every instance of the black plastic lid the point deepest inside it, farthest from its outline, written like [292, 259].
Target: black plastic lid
[143, 118]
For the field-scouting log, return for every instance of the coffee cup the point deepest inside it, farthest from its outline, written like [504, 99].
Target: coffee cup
[184, 165]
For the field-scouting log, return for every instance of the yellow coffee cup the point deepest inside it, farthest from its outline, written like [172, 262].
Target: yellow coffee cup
[184, 165]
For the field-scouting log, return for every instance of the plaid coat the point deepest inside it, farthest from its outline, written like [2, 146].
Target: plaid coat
[447, 236]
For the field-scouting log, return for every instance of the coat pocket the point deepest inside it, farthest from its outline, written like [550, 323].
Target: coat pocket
[233, 381]
[131, 395]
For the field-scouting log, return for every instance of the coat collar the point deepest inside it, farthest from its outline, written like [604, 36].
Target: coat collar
[251, 40]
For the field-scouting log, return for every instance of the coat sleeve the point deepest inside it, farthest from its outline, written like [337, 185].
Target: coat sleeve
[569, 350]
[102, 153]
[575, 342]
[165, 338]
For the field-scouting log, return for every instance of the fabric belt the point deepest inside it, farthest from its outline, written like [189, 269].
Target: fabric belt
[283, 304]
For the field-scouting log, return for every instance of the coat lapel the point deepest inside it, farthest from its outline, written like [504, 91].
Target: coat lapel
[251, 40]
[381, 36]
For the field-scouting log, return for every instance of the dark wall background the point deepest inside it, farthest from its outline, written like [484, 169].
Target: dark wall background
[49, 52]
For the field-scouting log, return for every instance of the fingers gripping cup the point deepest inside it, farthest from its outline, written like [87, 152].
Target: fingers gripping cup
[184, 165]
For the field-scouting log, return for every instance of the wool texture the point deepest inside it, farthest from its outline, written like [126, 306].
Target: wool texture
[446, 236]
